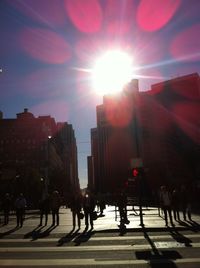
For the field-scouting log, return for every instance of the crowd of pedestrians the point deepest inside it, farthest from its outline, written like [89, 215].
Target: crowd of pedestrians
[171, 204]
[19, 206]
[82, 206]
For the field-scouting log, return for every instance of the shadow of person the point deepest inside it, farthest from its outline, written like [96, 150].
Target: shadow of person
[195, 225]
[33, 232]
[45, 233]
[68, 237]
[9, 231]
[180, 238]
[185, 224]
[83, 237]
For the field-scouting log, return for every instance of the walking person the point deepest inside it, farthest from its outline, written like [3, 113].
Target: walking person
[165, 201]
[186, 200]
[20, 206]
[55, 206]
[6, 206]
[102, 204]
[88, 207]
[176, 204]
[44, 206]
[122, 205]
[76, 205]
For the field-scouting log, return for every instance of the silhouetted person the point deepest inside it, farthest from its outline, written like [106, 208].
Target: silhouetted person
[20, 206]
[6, 206]
[88, 207]
[44, 206]
[55, 205]
[102, 205]
[176, 204]
[122, 205]
[165, 201]
[186, 196]
[76, 205]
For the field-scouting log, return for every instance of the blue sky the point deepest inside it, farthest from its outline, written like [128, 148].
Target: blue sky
[48, 46]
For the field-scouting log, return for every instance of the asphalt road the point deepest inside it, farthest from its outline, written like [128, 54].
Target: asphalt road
[104, 246]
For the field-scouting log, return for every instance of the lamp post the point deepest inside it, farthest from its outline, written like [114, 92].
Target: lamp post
[46, 180]
[43, 188]
[18, 184]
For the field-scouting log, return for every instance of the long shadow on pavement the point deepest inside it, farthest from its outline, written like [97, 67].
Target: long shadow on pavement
[38, 233]
[157, 257]
[68, 237]
[33, 232]
[84, 237]
[9, 231]
[180, 238]
[190, 225]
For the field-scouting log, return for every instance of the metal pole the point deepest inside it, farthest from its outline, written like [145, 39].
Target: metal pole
[137, 138]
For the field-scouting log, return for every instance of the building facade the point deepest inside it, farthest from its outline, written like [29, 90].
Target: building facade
[161, 127]
[37, 155]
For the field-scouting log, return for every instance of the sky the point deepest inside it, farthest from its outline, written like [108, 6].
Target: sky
[49, 47]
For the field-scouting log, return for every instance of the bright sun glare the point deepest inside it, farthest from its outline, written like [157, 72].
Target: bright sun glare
[111, 72]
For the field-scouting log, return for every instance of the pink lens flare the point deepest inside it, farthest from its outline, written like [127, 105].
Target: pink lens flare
[153, 15]
[85, 15]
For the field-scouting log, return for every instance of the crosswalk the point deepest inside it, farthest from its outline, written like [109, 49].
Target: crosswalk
[92, 249]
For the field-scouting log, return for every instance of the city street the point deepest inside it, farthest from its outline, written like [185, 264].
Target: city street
[106, 245]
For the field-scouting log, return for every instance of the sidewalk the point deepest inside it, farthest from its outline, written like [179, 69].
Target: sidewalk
[108, 222]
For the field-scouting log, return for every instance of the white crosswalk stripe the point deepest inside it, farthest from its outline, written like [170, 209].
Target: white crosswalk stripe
[158, 245]
[88, 262]
[23, 255]
[104, 238]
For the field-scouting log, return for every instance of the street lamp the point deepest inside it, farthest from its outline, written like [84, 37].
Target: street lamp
[43, 188]
[46, 181]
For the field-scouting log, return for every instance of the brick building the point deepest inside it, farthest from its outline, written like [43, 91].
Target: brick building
[37, 154]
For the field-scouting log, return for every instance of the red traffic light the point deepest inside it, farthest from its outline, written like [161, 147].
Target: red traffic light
[135, 172]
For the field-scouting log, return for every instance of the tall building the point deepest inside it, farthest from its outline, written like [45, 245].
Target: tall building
[37, 154]
[161, 127]
[112, 141]
[171, 130]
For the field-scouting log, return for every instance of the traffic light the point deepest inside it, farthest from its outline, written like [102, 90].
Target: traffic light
[136, 172]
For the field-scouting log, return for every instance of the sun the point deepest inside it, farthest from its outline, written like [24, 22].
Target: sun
[111, 72]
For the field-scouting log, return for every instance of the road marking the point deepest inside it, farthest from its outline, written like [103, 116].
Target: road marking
[96, 248]
[87, 262]
[99, 238]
